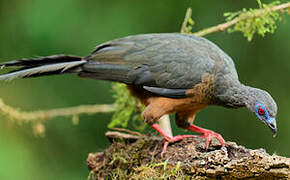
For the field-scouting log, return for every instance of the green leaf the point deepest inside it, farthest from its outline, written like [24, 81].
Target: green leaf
[255, 21]
[127, 109]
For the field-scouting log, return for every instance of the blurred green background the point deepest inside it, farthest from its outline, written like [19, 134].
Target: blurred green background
[39, 27]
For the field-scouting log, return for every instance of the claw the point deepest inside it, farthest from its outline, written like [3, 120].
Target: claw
[164, 148]
[172, 140]
[169, 139]
[208, 134]
[178, 138]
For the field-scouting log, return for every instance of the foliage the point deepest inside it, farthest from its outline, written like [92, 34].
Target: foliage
[188, 28]
[127, 108]
[260, 21]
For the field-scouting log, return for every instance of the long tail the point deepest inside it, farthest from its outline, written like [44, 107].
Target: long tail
[50, 65]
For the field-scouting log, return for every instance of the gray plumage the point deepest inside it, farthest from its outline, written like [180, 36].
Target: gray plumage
[34, 67]
[171, 65]
[42, 70]
[154, 59]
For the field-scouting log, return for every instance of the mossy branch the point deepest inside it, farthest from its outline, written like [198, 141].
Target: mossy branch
[133, 156]
[249, 21]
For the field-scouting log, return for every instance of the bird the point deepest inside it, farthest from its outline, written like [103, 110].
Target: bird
[170, 73]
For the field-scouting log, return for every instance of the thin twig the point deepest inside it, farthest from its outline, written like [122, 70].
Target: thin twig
[185, 21]
[127, 131]
[120, 135]
[224, 26]
[17, 114]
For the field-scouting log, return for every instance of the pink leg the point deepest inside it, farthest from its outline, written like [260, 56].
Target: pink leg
[208, 134]
[169, 139]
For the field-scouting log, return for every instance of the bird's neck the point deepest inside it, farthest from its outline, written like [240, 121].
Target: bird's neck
[236, 95]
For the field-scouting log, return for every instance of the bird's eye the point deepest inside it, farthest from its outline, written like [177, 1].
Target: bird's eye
[261, 111]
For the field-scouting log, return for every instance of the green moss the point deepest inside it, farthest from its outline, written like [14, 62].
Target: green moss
[131, 162]
[128, 109]
[186, 159]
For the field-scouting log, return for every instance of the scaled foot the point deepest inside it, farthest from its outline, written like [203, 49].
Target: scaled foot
[169, 139]
[208, 134]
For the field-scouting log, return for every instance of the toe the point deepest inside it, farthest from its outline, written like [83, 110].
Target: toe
[208, 140]
[169, 139]
[209, 135]
[180, 137]
[221, 140]
[164, 148]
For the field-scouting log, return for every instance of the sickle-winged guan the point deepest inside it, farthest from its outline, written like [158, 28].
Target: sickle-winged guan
[168, 73]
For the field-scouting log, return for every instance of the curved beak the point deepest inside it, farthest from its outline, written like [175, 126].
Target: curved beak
[271, 123]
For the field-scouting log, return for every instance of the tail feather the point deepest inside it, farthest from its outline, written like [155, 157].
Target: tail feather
[57, 64]
[32, 62]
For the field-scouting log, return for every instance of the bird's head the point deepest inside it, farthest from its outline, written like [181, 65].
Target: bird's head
[264, 107]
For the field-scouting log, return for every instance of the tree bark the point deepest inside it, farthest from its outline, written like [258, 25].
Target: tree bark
[135, 156]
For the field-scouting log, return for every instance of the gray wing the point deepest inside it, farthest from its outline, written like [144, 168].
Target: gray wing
[162, 61]
[172, 93]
